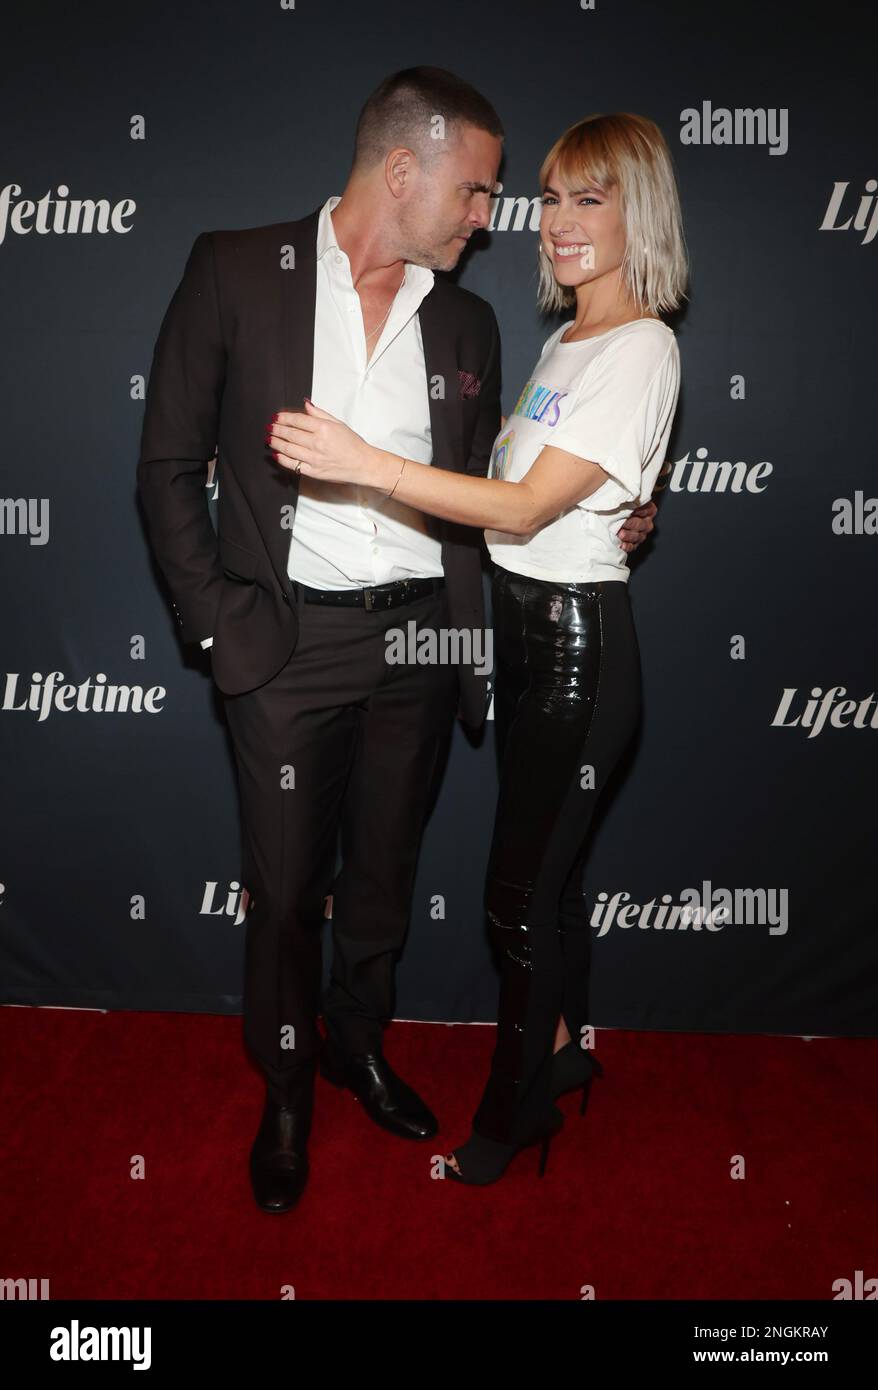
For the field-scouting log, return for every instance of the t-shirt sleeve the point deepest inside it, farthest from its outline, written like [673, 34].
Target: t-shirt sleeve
[612, 419]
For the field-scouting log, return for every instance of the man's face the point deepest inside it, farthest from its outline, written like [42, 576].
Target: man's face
[447, 203]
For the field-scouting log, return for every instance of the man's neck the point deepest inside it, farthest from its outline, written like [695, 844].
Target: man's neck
[356, 221]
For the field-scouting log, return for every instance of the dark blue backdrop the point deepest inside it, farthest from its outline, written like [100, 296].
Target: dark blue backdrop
[120, 843]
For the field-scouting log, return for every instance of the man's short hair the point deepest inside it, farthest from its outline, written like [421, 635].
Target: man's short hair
[402, 111]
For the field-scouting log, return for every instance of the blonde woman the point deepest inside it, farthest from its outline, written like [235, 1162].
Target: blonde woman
[581, 449]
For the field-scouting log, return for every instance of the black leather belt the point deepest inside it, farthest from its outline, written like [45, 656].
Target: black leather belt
[380, 597]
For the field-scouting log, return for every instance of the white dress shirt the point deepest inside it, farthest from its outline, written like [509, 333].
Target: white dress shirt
[345, 537]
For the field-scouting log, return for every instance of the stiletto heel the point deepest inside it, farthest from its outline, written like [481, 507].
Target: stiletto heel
[586, 1092]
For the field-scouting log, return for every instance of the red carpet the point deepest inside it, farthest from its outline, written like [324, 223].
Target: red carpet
[637, 1201]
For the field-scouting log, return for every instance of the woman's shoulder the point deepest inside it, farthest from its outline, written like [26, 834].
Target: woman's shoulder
[646, 328]
[647, 341]
[631, 365]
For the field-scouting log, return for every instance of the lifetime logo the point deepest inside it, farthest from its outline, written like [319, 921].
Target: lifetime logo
[825, 706]
[45, 215]
[701, 474]
[865, 219]
[237, 901]
[92, 696]
[706, 909]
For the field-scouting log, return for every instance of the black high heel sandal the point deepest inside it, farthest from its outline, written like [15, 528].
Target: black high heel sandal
[483, 1161]
[573, 1066]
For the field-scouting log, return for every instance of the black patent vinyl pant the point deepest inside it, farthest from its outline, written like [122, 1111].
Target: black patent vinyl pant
[566, 703]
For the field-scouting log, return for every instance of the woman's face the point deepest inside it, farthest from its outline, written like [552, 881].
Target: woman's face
[582, 231]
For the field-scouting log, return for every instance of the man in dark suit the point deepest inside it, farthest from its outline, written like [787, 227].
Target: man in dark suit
[296, 592]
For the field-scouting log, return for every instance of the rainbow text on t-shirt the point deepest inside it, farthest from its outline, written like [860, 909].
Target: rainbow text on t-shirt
[538, 402]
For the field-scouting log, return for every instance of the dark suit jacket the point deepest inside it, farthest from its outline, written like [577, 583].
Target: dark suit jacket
[236, 345]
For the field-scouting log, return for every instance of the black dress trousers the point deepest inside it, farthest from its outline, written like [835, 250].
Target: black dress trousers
[340, 738]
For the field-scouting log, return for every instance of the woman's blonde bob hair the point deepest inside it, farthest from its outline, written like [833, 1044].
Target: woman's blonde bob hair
[629, 152]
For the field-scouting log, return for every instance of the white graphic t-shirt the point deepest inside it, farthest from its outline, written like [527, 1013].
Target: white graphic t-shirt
[609, 399]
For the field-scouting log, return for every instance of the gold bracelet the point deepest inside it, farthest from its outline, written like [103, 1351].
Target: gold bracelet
[399, 475]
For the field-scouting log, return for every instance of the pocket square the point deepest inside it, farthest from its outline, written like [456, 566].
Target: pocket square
[469, 384]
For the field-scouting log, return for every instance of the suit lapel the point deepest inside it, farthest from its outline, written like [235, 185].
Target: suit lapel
[441, 367]
[299, 299]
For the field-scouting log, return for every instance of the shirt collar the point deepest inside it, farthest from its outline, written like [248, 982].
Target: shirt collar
[420, 277]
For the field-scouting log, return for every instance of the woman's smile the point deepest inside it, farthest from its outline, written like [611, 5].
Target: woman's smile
[570, 248]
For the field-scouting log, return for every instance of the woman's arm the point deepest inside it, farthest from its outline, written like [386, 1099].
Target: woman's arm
[555, 481]
[329, 450]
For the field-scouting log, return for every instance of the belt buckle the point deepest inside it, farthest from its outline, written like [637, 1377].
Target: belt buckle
[379, 598]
